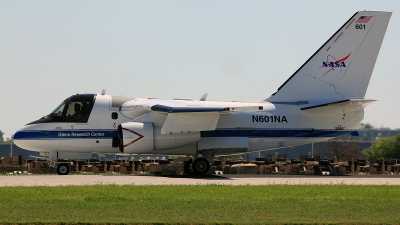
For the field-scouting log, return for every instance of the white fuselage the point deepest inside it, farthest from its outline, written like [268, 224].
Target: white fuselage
[275, 126]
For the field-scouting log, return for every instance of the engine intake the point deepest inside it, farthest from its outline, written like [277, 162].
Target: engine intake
[135, 138]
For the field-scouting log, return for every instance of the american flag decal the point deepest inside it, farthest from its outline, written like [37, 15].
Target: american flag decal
[364, 19]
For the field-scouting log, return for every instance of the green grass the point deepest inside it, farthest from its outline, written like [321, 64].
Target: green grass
[209, 204]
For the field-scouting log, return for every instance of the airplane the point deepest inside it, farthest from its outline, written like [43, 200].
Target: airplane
[323, 99]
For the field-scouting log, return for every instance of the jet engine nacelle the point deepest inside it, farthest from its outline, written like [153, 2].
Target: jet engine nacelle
[143, 138]
[135, 138]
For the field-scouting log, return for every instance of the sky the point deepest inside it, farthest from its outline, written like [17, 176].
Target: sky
[232, 50]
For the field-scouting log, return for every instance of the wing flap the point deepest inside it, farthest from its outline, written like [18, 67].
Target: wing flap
[189, 122]
[195, 118]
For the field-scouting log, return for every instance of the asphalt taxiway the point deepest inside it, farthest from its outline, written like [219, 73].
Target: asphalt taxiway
[226, 179]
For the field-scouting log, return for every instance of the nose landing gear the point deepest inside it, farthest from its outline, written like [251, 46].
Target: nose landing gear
[62, 169]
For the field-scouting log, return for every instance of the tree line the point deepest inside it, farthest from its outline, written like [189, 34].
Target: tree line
[385, 148]
[340, 149]
[8, 140]
[344, 148]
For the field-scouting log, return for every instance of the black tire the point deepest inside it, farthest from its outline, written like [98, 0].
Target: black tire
[63, 169]
[187, 167]
[201, 166]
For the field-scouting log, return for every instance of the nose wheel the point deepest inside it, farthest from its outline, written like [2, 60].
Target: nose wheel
[63, 169]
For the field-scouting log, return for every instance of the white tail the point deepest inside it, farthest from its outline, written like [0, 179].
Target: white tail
[342, 67]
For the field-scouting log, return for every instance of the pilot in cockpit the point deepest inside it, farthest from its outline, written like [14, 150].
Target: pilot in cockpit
[77, 109]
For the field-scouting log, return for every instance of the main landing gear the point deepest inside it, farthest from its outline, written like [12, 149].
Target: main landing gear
[201, 165]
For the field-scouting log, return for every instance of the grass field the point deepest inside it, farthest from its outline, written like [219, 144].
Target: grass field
[209, 204]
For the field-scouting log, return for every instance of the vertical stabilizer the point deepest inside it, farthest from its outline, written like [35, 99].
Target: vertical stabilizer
[343, 66]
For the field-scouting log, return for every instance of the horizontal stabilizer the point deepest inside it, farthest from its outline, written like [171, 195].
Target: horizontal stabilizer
[343, 106]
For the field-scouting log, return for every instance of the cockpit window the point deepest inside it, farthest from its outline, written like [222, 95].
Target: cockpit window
[79, 107]
[59, 110]
[76, 108]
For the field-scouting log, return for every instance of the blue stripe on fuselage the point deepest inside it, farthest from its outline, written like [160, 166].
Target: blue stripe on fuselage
[107, 134]
[66, 134]
[276, 133]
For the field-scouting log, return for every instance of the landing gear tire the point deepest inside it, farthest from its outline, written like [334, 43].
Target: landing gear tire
[201, 166]
[63, 169]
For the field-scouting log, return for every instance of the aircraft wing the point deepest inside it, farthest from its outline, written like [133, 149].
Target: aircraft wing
[338, 106]
[195, 118]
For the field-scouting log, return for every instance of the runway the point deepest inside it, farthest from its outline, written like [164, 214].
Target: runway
[228, 179]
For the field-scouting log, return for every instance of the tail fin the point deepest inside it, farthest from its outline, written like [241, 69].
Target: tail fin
[342, 67]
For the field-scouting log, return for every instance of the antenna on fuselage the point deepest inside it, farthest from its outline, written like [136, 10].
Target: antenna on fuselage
[103, 91]
[203, 98]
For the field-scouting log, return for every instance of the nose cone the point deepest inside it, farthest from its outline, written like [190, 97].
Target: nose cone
[25, 138]
[19, 134]
[37, 137]
[19, 137]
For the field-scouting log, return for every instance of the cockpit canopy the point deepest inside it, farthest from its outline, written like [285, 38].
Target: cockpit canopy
[76, 108]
